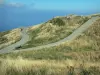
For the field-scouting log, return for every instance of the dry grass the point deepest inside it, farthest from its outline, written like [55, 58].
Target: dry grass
[79, 57]
[58, 53]
[12, 37]
[48, 32]
[93, 56]
[34, 27]
[90, 40]
[47, 67]
[2, 38]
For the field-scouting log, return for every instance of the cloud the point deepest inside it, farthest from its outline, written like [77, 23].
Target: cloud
[16, 4]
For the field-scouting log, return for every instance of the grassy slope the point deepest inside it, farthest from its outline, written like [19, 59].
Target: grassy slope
[80, 57]
[3, 39]
[90, 40]
[48, 67]
[51, 32]
[9, 37]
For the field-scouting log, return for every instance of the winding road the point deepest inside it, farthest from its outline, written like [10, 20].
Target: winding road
[24, 39]
[71, 37]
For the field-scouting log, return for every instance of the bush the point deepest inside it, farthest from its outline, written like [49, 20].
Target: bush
[82, 21]
[3, 40]
[57, 21]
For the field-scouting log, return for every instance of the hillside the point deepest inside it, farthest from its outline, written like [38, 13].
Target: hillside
[78, 57]
[88, 41]
[9, 37]
[54, 30]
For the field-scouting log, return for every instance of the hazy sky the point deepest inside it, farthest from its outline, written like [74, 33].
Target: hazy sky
[68, 5]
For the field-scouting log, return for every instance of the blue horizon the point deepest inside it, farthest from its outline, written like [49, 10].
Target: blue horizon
[20, 19]
[17, 13]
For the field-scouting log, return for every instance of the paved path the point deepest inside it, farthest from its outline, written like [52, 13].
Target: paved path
[71, 37]
[25, 38]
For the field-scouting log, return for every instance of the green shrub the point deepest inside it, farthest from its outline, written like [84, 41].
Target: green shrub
[57, 21]
[3, 39]
[82, 21]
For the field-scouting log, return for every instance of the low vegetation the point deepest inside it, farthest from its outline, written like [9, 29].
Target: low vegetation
[48, 67]
[57, 21]
[89, 40]
[9, 37]
[79, 57]
[86, 46]
[3, 39]
[51, 31]
[58, 53]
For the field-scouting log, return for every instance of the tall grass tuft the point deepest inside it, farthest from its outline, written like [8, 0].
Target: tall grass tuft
[47, 67]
